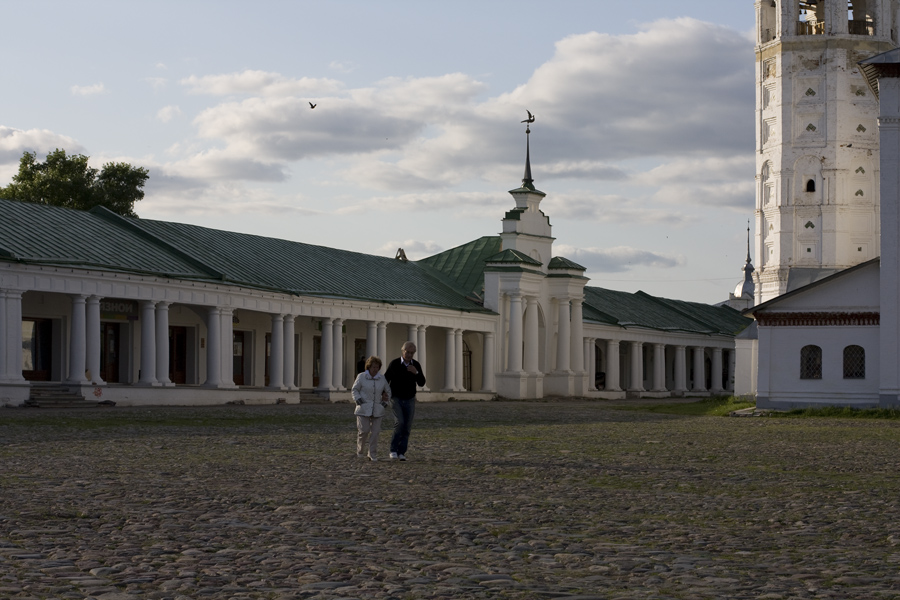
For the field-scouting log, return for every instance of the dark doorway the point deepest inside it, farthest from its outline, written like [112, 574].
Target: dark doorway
[109, 352]
[37, 349]
[178, 355]
[238, 357]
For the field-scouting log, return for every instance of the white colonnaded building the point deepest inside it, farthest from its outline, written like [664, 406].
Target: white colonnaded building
[95, 307]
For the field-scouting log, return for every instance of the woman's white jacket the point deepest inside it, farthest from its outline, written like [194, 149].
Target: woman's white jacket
[368, 389]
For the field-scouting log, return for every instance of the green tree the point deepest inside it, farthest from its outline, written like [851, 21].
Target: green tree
[69, 182]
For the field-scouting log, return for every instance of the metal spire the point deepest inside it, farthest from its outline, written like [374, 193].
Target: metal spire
[527, 181]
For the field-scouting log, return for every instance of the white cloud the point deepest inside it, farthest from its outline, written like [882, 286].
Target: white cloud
[167, 113]
[678, 93]
[414, 249]
[617, 259]
[585, 206]
[705, 181]
[13, 142]
[88, 90]
[157, 83]
[262, 83]
[342, 66]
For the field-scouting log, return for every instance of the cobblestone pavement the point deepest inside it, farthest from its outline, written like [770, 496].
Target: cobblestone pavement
[527, 500]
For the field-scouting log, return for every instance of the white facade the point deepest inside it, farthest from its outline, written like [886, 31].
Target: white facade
[817, 157]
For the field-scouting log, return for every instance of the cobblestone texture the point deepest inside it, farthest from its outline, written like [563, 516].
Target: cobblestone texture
[576, 500]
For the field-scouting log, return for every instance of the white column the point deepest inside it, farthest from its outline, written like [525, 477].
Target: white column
[889, 270]
[487, 364]
[699, 370]
[659, 367]
[77, 341]
[459, 360]
[7, 339]
[372, 341]
[588, 364]
[226, 351]
[327, 355]
[412, 335]
[564, 341]
[276, 353]
[148, 343]
[337, 366]
[680, 369]
[382, 343]
[514, 353]
[592, 365]
[450, 361]
[716, 378]
[531, 336]
[577, 359]
[612, 365]
[421, 355]
[162, 343]
[637, 367]
[92, 338]
[214, 347]
[12, 339]
[290, 359]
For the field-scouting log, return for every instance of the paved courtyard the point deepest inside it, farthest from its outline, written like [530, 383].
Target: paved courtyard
[523, 500]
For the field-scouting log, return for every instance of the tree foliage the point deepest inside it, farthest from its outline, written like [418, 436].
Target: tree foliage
[69, 182]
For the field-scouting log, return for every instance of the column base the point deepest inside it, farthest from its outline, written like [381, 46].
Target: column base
[561, 383]
[520, 386]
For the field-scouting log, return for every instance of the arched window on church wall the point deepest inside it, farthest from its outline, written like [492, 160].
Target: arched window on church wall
[811, 185]
[861, 16]
[810, 362]
[811, 19]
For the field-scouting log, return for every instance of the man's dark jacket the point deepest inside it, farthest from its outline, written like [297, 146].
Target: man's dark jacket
[403, 383]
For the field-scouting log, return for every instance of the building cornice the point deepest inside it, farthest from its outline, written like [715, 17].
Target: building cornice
[819, 319]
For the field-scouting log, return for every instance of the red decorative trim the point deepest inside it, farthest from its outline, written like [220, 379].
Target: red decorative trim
[818, 319]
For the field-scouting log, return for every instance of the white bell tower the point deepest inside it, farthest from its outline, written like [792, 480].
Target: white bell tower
[817, 162]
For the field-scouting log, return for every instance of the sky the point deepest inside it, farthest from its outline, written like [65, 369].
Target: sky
[643, 137]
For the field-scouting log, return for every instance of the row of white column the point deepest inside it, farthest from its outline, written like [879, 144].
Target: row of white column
[522, 354]
[636, 379]
[331, 364]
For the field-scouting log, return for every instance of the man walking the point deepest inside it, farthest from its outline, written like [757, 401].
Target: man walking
[403, 375]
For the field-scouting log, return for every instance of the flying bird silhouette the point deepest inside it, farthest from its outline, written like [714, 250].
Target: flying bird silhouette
[311, 105]
[530, 118]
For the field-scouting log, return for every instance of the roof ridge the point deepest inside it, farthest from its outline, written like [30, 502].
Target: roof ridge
[123, 222]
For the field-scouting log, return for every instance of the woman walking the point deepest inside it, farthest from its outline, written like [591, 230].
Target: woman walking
[371, 392]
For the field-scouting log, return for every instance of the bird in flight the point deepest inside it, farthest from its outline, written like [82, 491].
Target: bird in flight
[311, 105]
[530, 118]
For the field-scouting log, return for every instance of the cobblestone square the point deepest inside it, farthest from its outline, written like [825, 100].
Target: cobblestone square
[520, 500]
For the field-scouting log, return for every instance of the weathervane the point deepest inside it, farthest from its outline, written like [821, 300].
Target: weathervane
[528, 121]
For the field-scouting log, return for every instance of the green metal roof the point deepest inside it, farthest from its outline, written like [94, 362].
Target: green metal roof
[643, 310]
[33, 233]
[464, 265]
[558, 262]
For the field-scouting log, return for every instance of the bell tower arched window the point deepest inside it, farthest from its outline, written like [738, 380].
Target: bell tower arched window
[812, 17]
[861, 17]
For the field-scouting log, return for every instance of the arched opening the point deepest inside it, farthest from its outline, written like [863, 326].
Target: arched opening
[811, 17]
[768, 12]
[768, 184]
[861, 17]
[811, 185]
